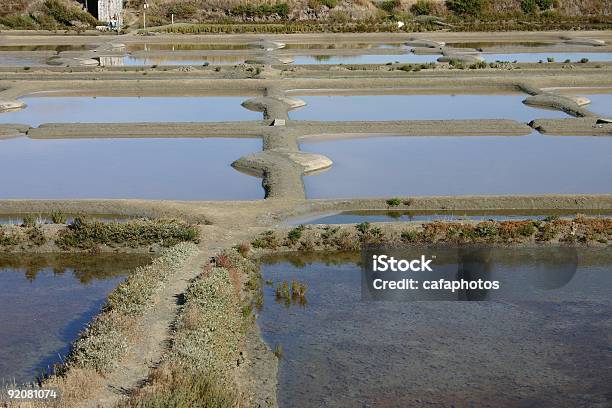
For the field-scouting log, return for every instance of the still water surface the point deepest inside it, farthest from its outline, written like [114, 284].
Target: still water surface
[419, 107]
[129, 109]
[46, 301]
[175, 169]
[547, 349]
[534, 164]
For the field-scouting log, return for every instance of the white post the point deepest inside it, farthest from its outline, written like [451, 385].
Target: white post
[172, 18]
[145, 6]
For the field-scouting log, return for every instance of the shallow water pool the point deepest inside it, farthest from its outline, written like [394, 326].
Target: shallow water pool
[419, 107]
[601, 104]
[46, 301]
[131, 60]
[109, 109]
[175, 169]
[481, 165]
[547, 347]
[407, 58]
[558, 56]
[356, 217]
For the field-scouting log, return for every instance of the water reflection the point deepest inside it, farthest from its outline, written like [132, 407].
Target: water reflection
[356, 217]
[429, 166]
[46, 301]
[174, 168]
[341, 351]
[129, 109]
[419, 107]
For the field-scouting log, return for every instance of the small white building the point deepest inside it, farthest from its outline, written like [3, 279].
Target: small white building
[106, 11]
[110, 11]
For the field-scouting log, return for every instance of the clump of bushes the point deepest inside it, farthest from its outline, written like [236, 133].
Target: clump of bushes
[28, 221]
[49, 15]
[393, 202]
[58, 217]
[266, 240]
[315, 4]
[85, 234]
[422, 7]
[181, 9]
[294, 293]
[466, 7]
[389, 5]
[68, 15]
[533, 6]
[295, 234]
[262, 10]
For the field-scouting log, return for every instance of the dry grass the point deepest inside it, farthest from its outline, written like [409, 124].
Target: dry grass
[582, 230]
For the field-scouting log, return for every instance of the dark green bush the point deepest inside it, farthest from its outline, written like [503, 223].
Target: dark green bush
[466, 7]
[422, 7]
[389, 5]
[65, 15]
[28, 221]
[180, 9]
[529, 6]
[19, 22]
[263, 10]
[544, 4]
[84, 233]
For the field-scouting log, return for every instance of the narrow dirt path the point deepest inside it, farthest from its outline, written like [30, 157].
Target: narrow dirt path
[154, 327]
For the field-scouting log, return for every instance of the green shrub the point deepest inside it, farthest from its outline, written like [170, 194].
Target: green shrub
[185, 391]
[394, 202]
[65, 15]
[58, 217]
[466, 7]
[389, 5]
[263, 10]
[422, 7]
[295, 234]
[330, 4]
[180, 9]
[529, 6]
[85, 234]
[544, 4]
[18, 22]
[28, 221]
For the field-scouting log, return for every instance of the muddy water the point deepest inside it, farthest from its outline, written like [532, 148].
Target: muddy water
[82, 109]
[46, 301]
[419, 107]
[355, 217]
[548, 349]
[177, 169]
[535, 164]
